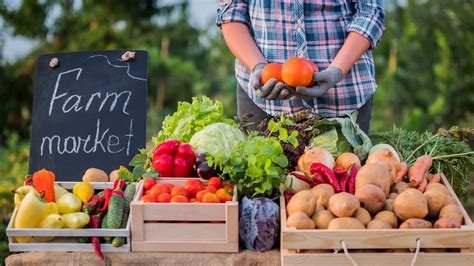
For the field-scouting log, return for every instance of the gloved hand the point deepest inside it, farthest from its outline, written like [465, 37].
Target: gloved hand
[272, 90]
[324, 80]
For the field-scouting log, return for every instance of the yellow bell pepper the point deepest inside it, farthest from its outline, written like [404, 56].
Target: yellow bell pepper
[84, 191]
[53, 220]
[32, 209]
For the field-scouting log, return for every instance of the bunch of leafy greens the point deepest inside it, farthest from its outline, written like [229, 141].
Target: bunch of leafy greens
[141, 164]
[255, 166]
[450, 155]
[340, 135]
[191, 118]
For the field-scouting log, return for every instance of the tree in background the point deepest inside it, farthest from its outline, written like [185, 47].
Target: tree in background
[181, 64]
[425, 65]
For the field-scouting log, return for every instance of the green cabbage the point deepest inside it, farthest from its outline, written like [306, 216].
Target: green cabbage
[341, 135]
[217, 138]
[191, 118]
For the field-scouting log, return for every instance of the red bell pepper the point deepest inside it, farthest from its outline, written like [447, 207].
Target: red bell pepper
[107, 195]
[174, 159]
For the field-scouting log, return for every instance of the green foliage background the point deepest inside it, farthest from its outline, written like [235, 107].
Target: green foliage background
[424, 65]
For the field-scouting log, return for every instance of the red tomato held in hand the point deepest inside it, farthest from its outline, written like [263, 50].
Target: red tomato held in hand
[181, 167]
[215, 182]
[186, 151]
[297, 72]
[148, 183]
[272, 70]
[163, 164]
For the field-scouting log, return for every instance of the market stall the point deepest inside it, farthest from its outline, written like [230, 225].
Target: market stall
[320, 190]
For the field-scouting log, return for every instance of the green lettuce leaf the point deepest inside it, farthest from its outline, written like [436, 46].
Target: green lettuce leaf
[191, 118]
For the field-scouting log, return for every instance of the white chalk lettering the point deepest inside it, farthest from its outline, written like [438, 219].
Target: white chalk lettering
[129, 136]
[50, 139]
[90, 100]
[75, 106]
[114, 102]
[96, 140]
[111, 144]
[56, 86]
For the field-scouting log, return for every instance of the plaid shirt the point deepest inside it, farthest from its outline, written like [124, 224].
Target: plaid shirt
[314, 30]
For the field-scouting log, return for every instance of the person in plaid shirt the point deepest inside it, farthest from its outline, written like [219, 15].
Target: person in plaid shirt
[337, 35]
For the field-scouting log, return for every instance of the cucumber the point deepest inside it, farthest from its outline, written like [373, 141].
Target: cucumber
[129, 194]
[115, 211]
[103, 224]
[83, 240]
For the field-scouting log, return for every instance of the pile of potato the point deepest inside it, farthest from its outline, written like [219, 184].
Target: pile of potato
[379, 203]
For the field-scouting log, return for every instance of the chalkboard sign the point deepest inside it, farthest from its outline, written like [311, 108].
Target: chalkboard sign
[88, 111]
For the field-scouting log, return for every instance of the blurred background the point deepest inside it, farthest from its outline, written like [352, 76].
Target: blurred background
[424, 63]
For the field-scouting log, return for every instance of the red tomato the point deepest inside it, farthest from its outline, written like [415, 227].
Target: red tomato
[215, 182]
[148, 183]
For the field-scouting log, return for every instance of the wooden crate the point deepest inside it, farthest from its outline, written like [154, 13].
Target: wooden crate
[66, 239]
[184, 227]
[370, 247]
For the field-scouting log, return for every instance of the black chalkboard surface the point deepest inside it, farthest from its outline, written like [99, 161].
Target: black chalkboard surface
[88, 111]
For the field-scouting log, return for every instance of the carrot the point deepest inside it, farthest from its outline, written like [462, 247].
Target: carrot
[435, 179]
[43, 182]
[422, 186]
[402, 171]
[418, 170]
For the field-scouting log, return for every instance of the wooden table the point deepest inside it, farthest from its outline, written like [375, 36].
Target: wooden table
[244, 257]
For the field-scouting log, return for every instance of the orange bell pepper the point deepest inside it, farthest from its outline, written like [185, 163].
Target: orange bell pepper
[43, 182]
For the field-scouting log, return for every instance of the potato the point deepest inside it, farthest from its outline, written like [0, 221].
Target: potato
[300, 220]
[343, 204]
[345, 223]
[399, 187]
[388, 217]
[322, 219]
[450, 200]
[447, 223]
[388, 205]
[113, 175]
[436, 201]
[410, 204]
[452, 211]
[414, 223]
[300, 205]
[363, 216]
[319, 208]
[379, 224]
[95, 175]
[392, 195]
[438, 186]
[375, 174]
[323, 192]
[371, 197]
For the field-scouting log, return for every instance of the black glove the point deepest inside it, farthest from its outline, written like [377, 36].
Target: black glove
[324, 80]
[272, 90]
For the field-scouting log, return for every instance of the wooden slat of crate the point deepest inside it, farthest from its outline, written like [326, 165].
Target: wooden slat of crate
[66, 238]
[184, 212]
[151, 232]
[382, 238]
[378, 259]
[187, 232]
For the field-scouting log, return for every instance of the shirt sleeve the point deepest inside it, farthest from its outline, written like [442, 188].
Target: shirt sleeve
[233, 11]
[368, 20]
